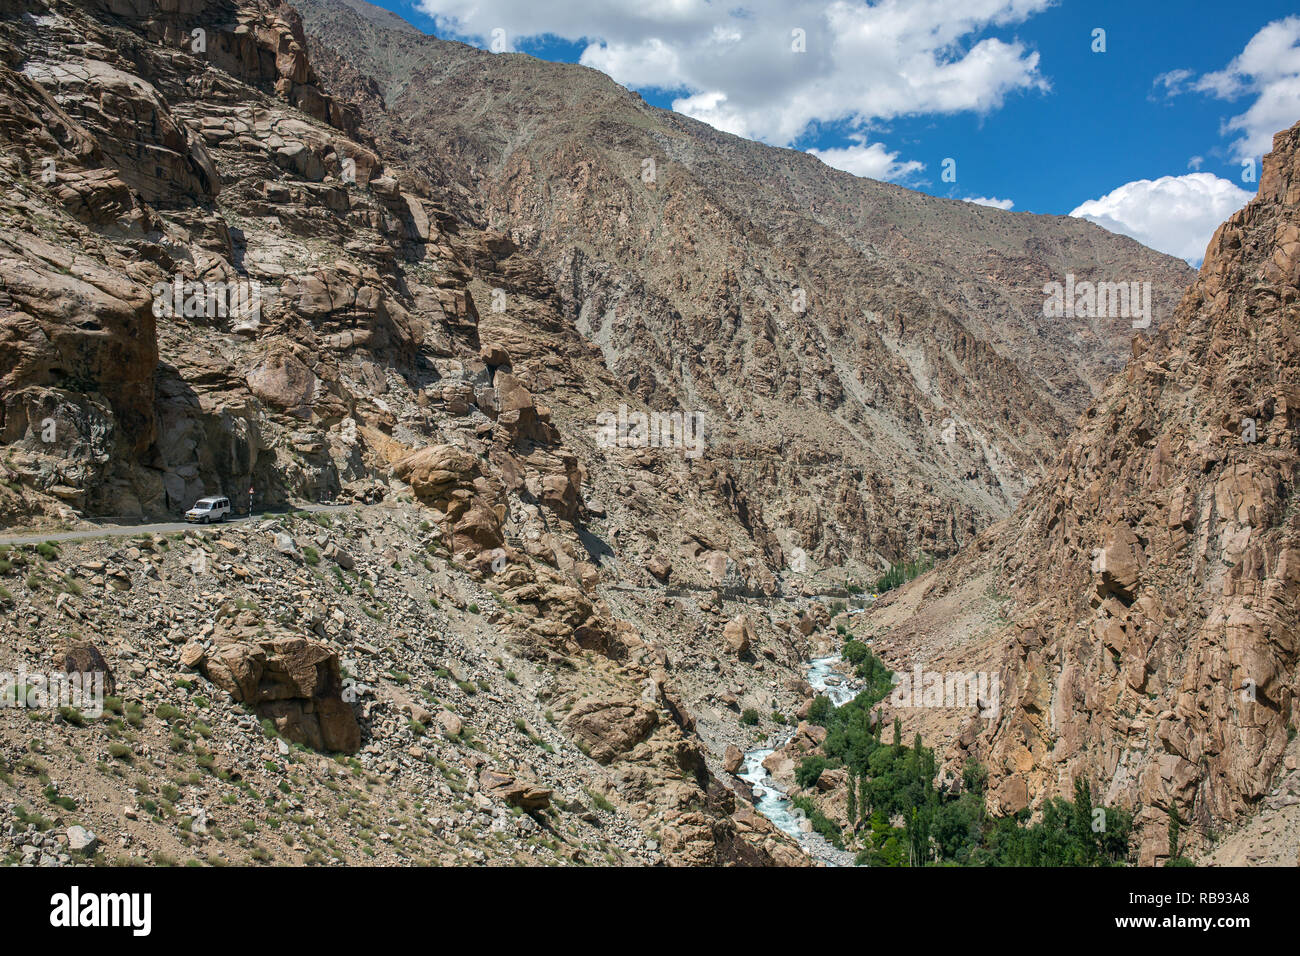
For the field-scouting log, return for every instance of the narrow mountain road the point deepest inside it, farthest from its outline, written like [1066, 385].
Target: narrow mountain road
[122, 531]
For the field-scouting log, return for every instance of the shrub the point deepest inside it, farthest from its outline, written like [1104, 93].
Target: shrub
[855, 651]
[63, 803]
[823, 824]
[820, 710]
[810, 771]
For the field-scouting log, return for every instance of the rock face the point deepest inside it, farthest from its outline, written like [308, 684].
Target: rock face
[1155, 575]
[294, 682]
[607, 729]
[876, 361]
[213, 277]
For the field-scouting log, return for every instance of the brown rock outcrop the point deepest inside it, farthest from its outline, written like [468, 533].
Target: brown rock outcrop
[294, 682]
[504, 786]
[607, 729]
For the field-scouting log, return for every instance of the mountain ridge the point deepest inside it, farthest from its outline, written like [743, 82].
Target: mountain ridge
[554, 155]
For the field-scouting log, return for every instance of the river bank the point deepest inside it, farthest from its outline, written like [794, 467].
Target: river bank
[774, 803]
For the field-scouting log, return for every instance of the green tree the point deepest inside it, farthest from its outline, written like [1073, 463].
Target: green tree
[853, 800]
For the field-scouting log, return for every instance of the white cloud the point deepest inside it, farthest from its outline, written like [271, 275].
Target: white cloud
[650, 64]
[1174, 82]
[871, 161]
[1267, 69]
[738, 70]
[1174, 214]
[990, 201]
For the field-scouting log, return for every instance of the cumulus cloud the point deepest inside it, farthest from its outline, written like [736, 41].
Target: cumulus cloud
[771, 69]
[990, 201]
[1174, 214]
[871, 161]
[1268, 69]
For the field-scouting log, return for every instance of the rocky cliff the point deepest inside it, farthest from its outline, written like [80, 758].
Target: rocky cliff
[213, 279]
[1140, 606]
[418, 288]
[874, 365]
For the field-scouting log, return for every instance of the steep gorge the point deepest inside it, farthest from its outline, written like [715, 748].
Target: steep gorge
[876, 371]
[1140, 606]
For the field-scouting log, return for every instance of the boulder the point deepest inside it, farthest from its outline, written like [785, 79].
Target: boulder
[659, 568]
[434, 470]
[739, 635]
[192, 655]
[732, 759]
[293, 681]
[81, 840]
[87, 661]
[606, 729]
[451, 724]
[504, 786]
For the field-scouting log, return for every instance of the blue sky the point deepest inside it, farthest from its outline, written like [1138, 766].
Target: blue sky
[1148, 137]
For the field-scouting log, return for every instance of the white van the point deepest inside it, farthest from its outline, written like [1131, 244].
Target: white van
[206, 510]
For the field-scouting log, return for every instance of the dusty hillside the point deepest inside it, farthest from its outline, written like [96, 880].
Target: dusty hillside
[1140, 606]
[211, 279]
[875, 366]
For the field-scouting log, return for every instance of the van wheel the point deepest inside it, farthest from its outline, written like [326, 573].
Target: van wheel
[203, 520]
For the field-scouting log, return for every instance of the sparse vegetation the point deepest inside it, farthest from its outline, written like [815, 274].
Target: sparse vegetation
[902, 572]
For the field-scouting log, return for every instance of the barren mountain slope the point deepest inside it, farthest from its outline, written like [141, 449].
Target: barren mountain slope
[1152, 581]
[211, 279]
[682, 252]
